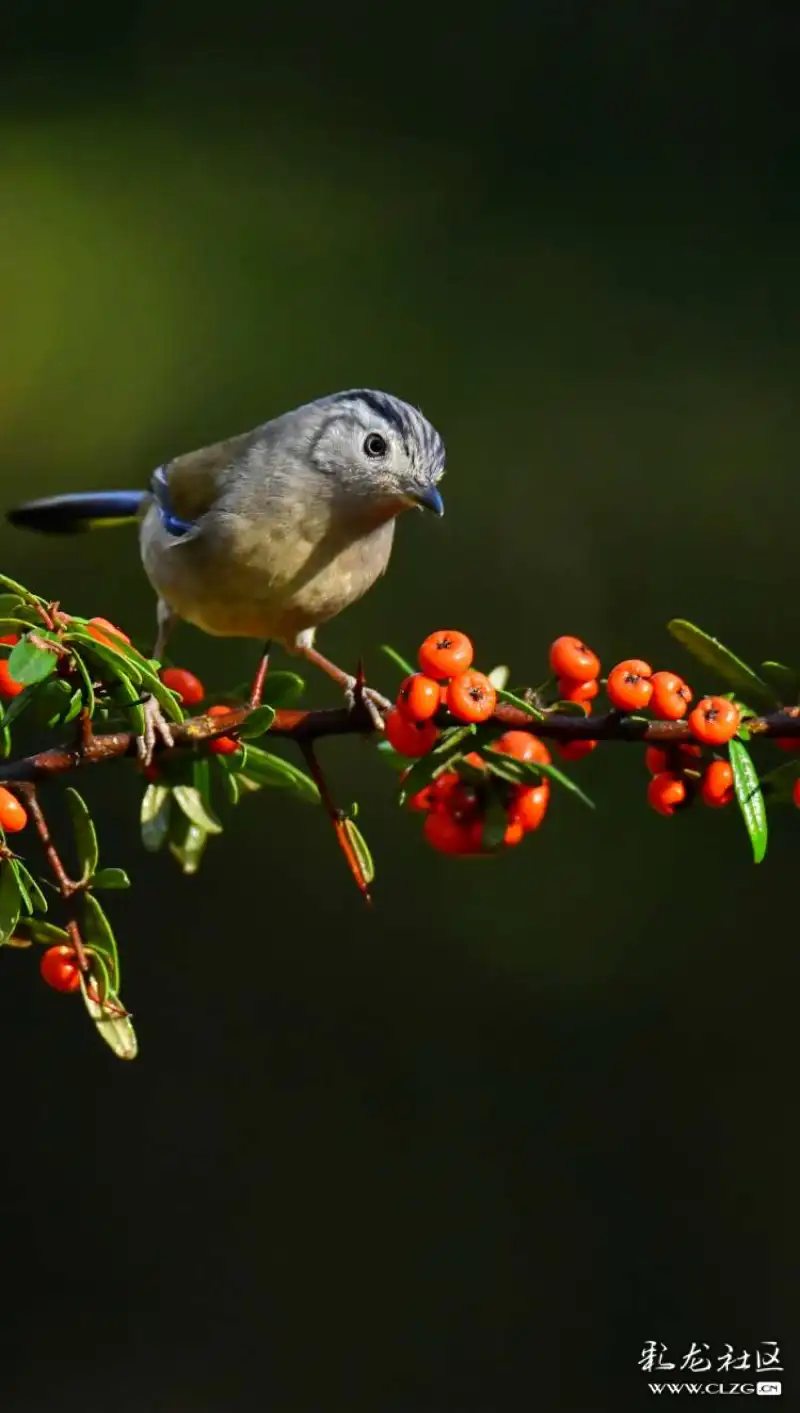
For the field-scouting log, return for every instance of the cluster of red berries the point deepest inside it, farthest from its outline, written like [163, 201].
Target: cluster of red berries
[447, 680]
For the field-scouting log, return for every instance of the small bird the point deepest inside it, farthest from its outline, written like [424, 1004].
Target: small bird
[270, 533]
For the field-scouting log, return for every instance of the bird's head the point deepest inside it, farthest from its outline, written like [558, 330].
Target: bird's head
[378, 449]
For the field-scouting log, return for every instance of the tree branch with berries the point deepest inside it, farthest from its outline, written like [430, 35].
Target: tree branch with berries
[473, 757]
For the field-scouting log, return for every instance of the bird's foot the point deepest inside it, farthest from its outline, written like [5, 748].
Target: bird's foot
[377, 706]
[156, 727]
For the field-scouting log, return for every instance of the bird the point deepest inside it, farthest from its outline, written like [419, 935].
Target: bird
[270, 533]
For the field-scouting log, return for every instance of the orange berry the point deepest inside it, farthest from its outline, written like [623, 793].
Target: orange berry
[13, 817]
[680, 757]
[666, 792]
[629, 686]
[796, 794]
[569, 657]
[514, 833]
[432, 795]
[571, 691]
[10, 639]
[100, 628]
[671, 696]
[9, 687]
[714, 720]
[575, 750]
[522, 745]
[716, 786]
[188, 687]
[471, 696]
[410, 738]
[222, 745]
[59, 967]
[445, 653]
[452, 836]
[419, 697]
[529, 805]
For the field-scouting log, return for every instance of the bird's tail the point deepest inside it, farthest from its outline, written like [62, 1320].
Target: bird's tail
[86, 510]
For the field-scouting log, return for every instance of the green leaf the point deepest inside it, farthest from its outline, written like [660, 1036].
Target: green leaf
[405, 667]
[10, 900]
[37, 897]
[37, 930]
[712, 654]
[25, 897]
[495, 823]
[499, 676]
[268, 769]
[19, 704]
[283, 689]
[361, 850]
[785, 680]
[99, 933]
[750, 797]
[29, 663]
[111, 878]
[88, 686]
[111, 1020]
[528, 773]
[188, 844]
[450, 747]
[132, 702]
[18, 589]
[257, 723]
[190, 800]
[85, 834]
[534, 712]
[155, 816]
[52, 699]
[118, 661]
[9, 603]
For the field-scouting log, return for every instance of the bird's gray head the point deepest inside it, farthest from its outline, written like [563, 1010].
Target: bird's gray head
[377, 448]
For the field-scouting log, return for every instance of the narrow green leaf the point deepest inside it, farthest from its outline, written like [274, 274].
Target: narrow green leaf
[714, 655]
[750, 797]
[361, 850]
[188, 844]
[85, 833]
[271, 770]
[19, 589]
[10, 900]
[9, 603]
[112, 1022]
[450, 747]
[109, 657]
[257, 723]
[29, 663]
[16, 625]
[155, 816]
[495, 823]
[405, 667]
[74, 708]
[785, 680]
[499, 677]
[534, 712]
[99, 933]
[283, 689]
[88, 686]
[529, 772]
[190, 800]
[25, 897]
[111, 878]
[37, 930]
[37, 898]
[131, 699]
[230, 786]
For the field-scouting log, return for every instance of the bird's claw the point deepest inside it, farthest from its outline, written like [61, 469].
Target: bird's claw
[376, 705]
[156, 727]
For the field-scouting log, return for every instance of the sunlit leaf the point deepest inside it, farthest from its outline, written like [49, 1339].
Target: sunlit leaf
[268, 769]
[405, 667]
[30, 663]
[10, 900]
[714, 655]
[257, 723]
[37, 897]
[46, 933]
[449, 748]
[155, 816]
[190, 800]
[283, 689]
[499, 677]
[85, 834]
[528, 773]
[111, 1020]
[187, 843]
[750, 797]
[99, 933]
[361, 850]
[111, 878]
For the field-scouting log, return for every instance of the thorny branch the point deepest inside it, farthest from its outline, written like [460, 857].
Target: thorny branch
[67, 887]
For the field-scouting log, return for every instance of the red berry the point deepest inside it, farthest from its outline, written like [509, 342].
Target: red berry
[514, 833]
[445, 653]
[222, 745]
[529, 805]
[9, 687]
[13, 817]
[431, 796]
[796, 794]
[59, 967]
[471, 697]
[522, 745]
[419, 697]
[453, 836]
[716, 786]
[680, 757]
[715, 720]
[629, 686]
[184, 683]
[787, 743]
[671, 696]
[100, 628]
[571, 691]
[10, 640]
[666, 792]
[409, 738]
[569, 657]
[575, 750]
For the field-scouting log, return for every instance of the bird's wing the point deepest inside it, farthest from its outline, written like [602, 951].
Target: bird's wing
[188, 486]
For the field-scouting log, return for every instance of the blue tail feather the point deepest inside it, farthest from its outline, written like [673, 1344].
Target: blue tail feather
[71, 514]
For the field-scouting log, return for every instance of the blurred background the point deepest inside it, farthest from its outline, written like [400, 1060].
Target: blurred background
[472, 1149]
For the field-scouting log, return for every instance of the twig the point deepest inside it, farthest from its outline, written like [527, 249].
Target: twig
[336, 817]
[67, 886]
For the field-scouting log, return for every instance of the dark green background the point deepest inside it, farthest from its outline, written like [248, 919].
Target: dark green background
[470, 1150]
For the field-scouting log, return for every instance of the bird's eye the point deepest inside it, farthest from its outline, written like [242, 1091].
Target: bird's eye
[375, 445]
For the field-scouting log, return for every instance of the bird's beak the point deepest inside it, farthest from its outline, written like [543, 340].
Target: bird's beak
[428, 499]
